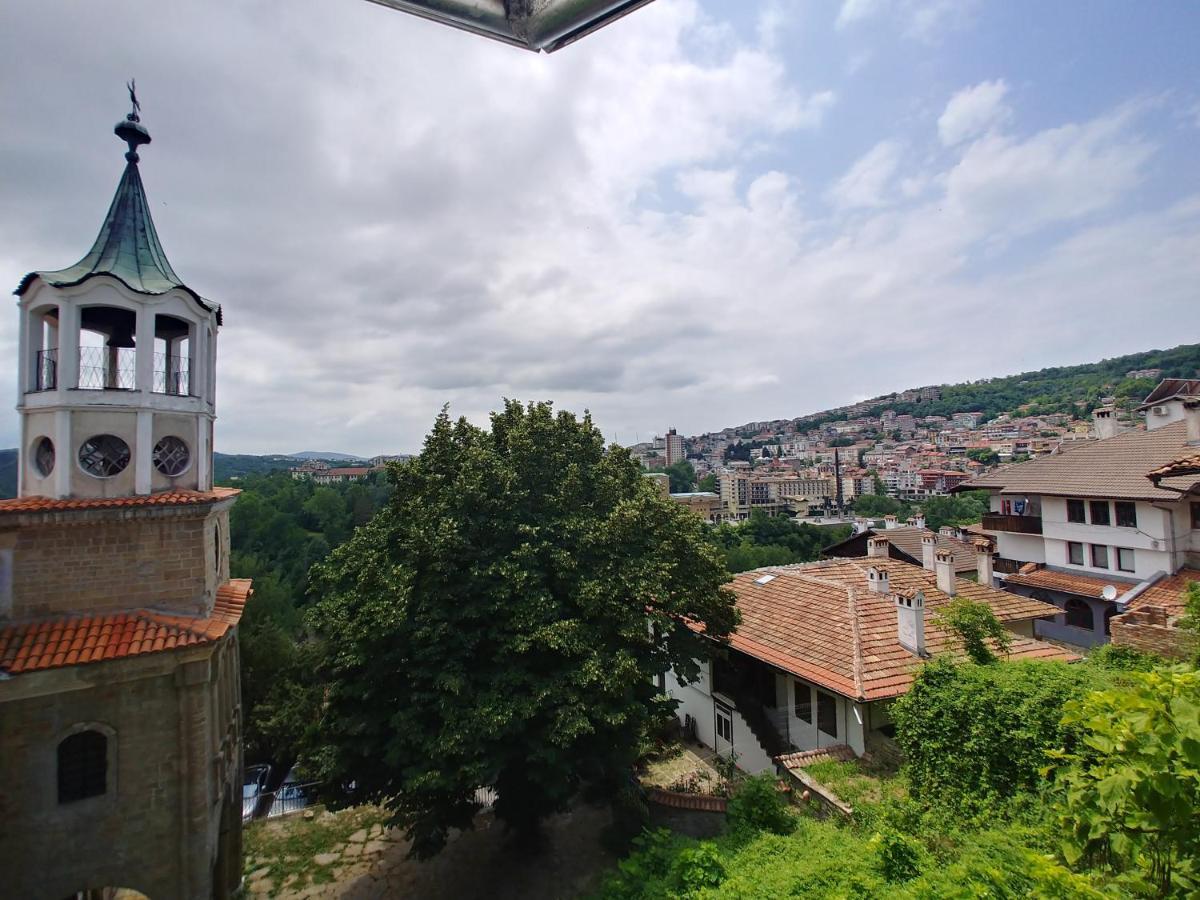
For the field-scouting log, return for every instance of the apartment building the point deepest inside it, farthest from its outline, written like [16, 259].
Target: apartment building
[774, 492]
[1092, 529]
[673, 448]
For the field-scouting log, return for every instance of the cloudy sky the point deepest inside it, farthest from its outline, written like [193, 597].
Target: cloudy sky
[706, 214]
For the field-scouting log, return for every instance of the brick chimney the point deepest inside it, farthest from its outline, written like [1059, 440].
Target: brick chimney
[877, 580]
[928, 548]
[877, 546]
[1104, 422]
[910, 621]
[983, 561]
[919, 520]
[1191, 415]
[889, 522]
[943, 563]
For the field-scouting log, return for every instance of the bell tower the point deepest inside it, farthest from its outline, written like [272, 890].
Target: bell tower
[117, 358]
[120, 699]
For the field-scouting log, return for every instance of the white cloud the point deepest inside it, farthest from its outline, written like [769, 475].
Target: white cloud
[923, 20]
[973, 111]
[857, 10]
[867, 182]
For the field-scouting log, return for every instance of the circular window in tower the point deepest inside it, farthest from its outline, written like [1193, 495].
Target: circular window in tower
[43, 456]
[103, 455]
[171, 456]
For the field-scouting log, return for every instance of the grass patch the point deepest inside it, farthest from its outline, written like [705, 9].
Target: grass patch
[859, 783]
[288, 846]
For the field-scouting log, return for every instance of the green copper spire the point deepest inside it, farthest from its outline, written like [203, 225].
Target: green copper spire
[127, 247]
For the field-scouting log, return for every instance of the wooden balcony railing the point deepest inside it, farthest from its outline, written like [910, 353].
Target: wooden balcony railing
[1013, 524]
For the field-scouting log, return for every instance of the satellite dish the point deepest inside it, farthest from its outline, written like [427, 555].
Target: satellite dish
[1109, 592]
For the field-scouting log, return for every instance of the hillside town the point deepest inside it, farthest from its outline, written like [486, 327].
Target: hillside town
[939, 643]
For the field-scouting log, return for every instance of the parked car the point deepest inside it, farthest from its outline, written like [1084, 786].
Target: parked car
[254, 785]
[293, 794]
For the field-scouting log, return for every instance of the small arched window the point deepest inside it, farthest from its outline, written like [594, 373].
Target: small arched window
[1079, 614]
[82, 766]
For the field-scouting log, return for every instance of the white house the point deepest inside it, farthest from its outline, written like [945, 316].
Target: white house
[825, 647]
[1090, 529]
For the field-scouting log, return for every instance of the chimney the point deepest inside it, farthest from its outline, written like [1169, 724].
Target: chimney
[1191, 415]
[919, 520]
[889, 522]
[861, 525]
[910, 621]
[1104, 422]
[877, 580]
[877, 547]
[943, 562]
[983, 561]
[928, 548]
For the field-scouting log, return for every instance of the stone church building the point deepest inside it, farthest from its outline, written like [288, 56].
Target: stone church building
[120, 715]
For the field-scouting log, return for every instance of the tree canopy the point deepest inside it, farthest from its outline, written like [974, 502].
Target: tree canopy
[502, 621]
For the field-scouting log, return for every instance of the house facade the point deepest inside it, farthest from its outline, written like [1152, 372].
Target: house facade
[824, 648]
[1089, 529]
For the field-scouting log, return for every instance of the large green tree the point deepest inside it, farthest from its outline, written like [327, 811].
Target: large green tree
[502, 623]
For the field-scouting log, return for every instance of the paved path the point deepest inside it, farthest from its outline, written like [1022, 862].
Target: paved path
[475, 864]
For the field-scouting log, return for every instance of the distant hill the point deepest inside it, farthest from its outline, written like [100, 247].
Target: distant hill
[227, 466]
[320, 454]
[1061, 389]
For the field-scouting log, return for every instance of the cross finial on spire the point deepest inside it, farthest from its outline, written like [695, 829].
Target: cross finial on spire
[137, 107]
[130, 129]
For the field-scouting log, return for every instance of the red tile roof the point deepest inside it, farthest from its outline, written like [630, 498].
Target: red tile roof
[821, 622]
[805, 758]
[677, 800]
[1069, 582]
[1169, 594]
[54, 643]
[165, 498]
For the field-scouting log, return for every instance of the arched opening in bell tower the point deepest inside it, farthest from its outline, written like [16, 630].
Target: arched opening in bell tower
[107, 348]
[43, 347]
[173, 345]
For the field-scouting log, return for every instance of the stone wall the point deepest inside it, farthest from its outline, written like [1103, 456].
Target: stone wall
[1149, 629]
[158, 826]
[118, 559]
[696, 815]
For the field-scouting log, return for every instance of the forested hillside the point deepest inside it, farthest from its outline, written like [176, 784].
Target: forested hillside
[1062, 389]
[279, 527]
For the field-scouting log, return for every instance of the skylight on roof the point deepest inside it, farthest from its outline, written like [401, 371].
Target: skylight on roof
[763, 579]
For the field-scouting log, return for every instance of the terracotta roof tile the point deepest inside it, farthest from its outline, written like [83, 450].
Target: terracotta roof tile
[1169, 594]
[1068, 582]
[821, 622]
[49, 644]
[1116, 467]
[165, 498]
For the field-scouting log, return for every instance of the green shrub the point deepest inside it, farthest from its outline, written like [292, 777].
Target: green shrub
[1114, 658]
[976, 736]
[697, 868]
[898, 857]
[1130, 790]
[758, 805]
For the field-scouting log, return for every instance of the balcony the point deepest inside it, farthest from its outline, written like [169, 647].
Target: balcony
[171, 375]
[107, 368]
[1013, 524]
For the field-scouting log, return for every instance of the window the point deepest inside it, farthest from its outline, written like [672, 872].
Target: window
[1125, 559]
[1074, 553]
[1196, 515]
[1099, 556]
[827, 713]
[1100, 512]
[1079, 613]
[171, 456]
[803, 705]
[43, 456]
[1126, 515]
[103, 455]
[82, 766]
[1075, 511]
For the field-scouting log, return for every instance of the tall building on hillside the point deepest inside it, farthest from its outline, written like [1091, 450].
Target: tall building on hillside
[120, 716]
[674, 448]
